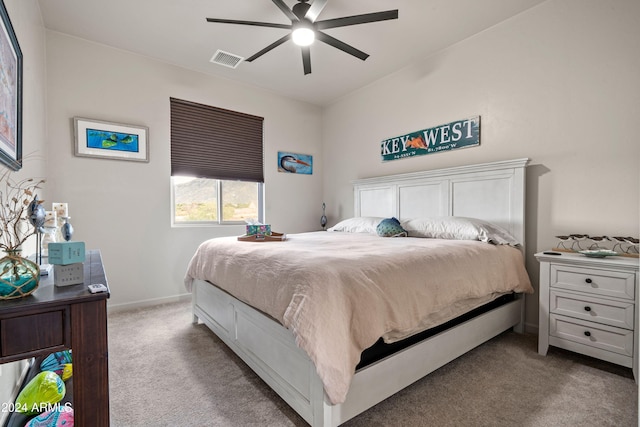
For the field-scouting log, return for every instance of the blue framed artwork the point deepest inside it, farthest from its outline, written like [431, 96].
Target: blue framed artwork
[95, 138]
[10, 94]
[295, 163]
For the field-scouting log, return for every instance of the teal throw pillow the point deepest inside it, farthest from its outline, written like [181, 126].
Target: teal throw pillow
[390, 227]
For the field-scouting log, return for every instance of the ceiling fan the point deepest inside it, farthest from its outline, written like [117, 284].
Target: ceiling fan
[305, 28]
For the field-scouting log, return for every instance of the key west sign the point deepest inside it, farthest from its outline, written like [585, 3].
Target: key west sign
[459, 134]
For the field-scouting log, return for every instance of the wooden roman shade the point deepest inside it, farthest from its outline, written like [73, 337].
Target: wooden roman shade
[211, 142]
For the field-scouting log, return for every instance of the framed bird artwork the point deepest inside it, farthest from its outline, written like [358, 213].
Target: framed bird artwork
[295, 163]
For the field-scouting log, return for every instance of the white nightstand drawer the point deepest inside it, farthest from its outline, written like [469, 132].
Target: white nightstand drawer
[594, 309]
[604, 337]
[601, 282]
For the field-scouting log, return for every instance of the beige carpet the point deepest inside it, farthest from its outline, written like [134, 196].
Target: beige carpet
[164, 371]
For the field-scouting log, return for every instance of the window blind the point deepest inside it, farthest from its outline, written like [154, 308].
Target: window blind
[211, 142]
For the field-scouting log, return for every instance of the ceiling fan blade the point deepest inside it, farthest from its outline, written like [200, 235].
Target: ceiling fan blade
[285, 9]
[357, 19]
[325, 38]
[268, 48]
[315, 9]
[254, 23]
[306, 60]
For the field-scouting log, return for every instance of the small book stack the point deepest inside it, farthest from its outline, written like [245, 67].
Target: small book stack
[68, 262]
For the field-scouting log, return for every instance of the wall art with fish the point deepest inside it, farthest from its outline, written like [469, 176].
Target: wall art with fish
[107, 140]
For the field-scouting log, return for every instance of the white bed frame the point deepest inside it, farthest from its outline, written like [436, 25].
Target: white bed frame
[491, 191]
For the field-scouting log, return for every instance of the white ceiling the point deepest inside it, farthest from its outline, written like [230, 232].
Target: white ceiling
[176, 32]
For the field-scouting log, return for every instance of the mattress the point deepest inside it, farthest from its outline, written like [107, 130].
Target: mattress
[338, 293]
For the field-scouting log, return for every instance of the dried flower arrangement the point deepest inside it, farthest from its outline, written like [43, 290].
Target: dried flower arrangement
[15, 200]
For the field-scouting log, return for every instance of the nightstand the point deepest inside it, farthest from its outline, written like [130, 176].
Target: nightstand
[590, 306]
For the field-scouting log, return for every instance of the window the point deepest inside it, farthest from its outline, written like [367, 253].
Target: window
[216, 164]
[203, 200]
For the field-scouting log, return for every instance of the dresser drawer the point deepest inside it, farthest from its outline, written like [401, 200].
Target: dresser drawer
[616, 340]
[592, 308]
[23, 335]
[612, 283]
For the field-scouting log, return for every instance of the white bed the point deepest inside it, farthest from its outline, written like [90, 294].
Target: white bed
[492, 192]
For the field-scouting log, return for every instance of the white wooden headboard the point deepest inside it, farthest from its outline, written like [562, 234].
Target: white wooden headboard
[494, 192]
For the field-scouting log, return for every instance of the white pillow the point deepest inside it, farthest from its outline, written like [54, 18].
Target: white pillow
[363, 224]
[458, 228]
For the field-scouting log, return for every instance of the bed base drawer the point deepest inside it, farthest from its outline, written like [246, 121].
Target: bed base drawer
[215, 305]
[268, 348]
[280, 354]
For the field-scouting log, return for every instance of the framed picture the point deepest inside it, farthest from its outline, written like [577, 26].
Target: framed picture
[10, 95]
[295, 163]
[95, 138]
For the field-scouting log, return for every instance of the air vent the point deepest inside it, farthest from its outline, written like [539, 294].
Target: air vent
[227, 59]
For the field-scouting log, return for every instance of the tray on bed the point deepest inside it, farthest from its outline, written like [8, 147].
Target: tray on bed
[274, 237]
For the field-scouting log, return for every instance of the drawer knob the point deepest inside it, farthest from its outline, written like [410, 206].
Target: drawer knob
[587, 333]
[588, 280]
[587, 308]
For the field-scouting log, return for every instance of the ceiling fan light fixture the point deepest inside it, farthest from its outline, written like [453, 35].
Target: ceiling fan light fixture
[305, 28]
[303, 34]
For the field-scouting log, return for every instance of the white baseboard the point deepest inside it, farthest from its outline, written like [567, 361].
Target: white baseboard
[147, 303]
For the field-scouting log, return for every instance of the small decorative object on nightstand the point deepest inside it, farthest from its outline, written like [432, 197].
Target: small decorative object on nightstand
[67, 228]
[67, 259]
[589, 305]
[49, 231]
[323, 218]
[36, 216]
[627, 245]
[48, 236]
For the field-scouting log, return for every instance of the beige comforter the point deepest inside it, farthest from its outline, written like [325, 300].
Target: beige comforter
[339, 292]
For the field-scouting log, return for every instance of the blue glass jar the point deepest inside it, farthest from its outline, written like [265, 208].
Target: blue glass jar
[19, 276]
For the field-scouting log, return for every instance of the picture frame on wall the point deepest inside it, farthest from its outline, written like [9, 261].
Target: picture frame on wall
[295, 163]
[10, 94]
[108, 140]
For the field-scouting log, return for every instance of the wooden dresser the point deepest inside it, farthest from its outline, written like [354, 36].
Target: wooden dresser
[57, 318]
[590, 306]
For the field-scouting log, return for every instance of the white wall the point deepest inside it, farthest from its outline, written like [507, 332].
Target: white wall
[123, 208]
[557, 83]
[27, 23]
